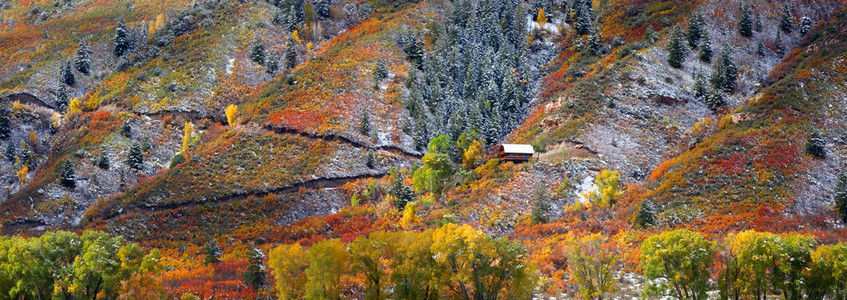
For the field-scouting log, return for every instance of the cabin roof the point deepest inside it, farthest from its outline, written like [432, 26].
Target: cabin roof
[518, 148]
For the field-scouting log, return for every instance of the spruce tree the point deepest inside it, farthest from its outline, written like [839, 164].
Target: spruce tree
[5, 124]
[594, 41]
[541, 205]
[126, 130]
[696, 27]
[816, 145]
[255, 274]
[257, 55]
[841, 197]
[779, 47]
[293, 19]
[322, 8]
[134, 158]
[715, 99]
[212, 252]
[122, 40]
[805, 25]
[279, 17]
[103, 160]
[760, 49]
[83, 62]
[272, 66]
[745, 23]
[677, 48]
[582, 18]
[68, 74]
[700, 88]
[365, 126]
[786, 21]
[644, 218]
[67, 178]
[62, 97]
[290, 55]
[724, 72]
[706, 48]
[757, 25]
[10, 151]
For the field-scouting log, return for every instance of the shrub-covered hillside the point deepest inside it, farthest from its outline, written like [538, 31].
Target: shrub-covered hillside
[329, 149]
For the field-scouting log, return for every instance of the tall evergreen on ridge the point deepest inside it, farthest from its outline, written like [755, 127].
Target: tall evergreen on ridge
[706, 48]
[745, 23]
[696, 29]
[83, 61]
[677, 48]
[786, 21]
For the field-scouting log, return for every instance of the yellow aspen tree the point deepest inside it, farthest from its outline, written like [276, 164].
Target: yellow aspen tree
[231, 114]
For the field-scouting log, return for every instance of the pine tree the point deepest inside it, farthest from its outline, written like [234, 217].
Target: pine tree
[696, 27]
[103, 160]
[293, 19]
[760, 49]
[272, 66]
[256, 273]
[541, 205]
[594, 41]
[62, 97]
[83, 62]
[380, 70]
[134, 158]
[290, 55]
[279, 17]
[758, 23]
[816, 145]
[715, 99]
[365, 126]
[805, 25]
[745, 23]
[677, 48]
[786, 22]
[724, 72]
[841, 196]
[645, 218]
[5, 125]
[67, 178]
[122, 40]
[68, 74]
[212, 252]
[582, 18]
[126, 130]
[322, 7]
[10, 151]
[257, 55]
[779, 47]
[700, 88]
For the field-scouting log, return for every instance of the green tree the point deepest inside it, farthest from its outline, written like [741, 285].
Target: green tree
[5, 125]
[122, 41]
[816, 145]
[290, 54]
[608, 188]
[682, 258]
[763, 262]
[827, 274]
[805, 25]
[779, 46]
[134, 158]
[257, 54]
[724, 72]
[706, 48]
[329, 261]
[696, 28]
[786, 21]
[103, 160]
[370, 256]
[67, 178]
[540, 205]
[840, 197]
[677, 48]
[68, 74]
[760, 49]
[401, 192]
[644, 216]
[380, 70]
[83, 61]
[365, 126]
[255, 274]
[212, 252]
[745, 22]
[433, 175]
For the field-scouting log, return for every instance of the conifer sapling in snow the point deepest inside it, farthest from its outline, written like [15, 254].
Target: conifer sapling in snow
[805, 25]
[696, 27]
[779, 46]
[68, 74]
[122, 42]
[257, 55]
[786, 22]
[83, 62]
[67, 178]
[677, 48]
[212, 252]
[134, 158]
[816, 145]
[706, 48]
[745, 24]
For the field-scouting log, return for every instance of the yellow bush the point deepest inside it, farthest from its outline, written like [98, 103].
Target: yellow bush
[231, 114]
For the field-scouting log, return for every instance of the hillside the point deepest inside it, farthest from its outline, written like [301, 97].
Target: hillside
[324, 149]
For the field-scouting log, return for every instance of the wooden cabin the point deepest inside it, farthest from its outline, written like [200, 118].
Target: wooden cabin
[517, 153]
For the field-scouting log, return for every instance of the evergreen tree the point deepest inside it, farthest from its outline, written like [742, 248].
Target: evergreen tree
[706, 48]
[83, 62]
[715, 99]
[256, 271]
[365, 126]
[779, 47]
[67, 178]
[786, 21]
[805, 25]
[293, 19]
[134, 158]
[290, 55]
[322, 8]
[644, 218]
[10, 151]
[841, 196]
[126, 130]
[380, 70]
[257, 55]
[677, 48]
[122, 40]
[724, 72]
[401, 192]
[5, 125]
[212, 252]
[700, 88]
[68, 74]
[594, 41]
[582, 16]
[279, 18]
[103, 160]
[760, 49]
[541, 205]
[758, 23]
[696, 27]
[271, 66]
[62, 97]
[816, 145]
[745, 23]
